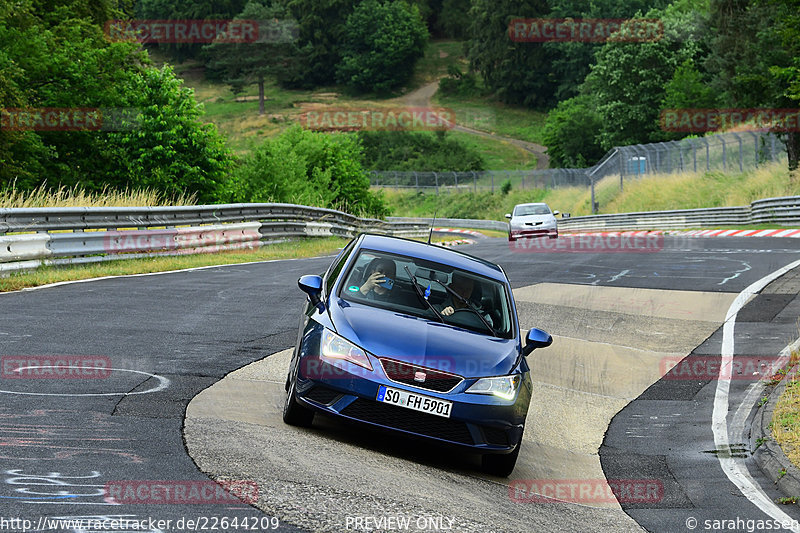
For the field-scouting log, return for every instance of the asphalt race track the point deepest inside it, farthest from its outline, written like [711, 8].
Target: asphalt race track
[617, 318]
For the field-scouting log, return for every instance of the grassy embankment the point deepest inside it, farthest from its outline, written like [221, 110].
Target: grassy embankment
[660, 192]
[237, 115]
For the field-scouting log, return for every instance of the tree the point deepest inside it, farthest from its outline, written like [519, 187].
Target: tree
[570, 133]
[187, 10]
[382, 42]
[754, 55]
[628, 79]
[321, 28]
[240, 64]
[516, 72]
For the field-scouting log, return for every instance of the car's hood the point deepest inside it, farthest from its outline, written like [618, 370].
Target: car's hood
[422, 342]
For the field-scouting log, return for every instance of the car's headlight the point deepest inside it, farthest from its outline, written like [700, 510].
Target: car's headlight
[332, 346]
[504, 387]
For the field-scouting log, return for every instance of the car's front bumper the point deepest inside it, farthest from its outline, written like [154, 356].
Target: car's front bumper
[480, 423]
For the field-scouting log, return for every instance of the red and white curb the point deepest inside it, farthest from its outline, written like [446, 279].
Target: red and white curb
[793, 233]
[461, 231]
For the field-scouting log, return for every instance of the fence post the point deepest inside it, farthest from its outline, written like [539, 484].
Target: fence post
[680, 153]
[708, 154]
[474, 181]
[694, 153]
[456, 178]
[741, 169]
[416, 181]
[724, 154]
[436, 178]
[396, 181]
[492, 182]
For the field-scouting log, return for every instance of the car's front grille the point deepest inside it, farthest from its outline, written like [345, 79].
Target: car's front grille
[498, 437]
[418, 376]
[408, 420]
[322, 395]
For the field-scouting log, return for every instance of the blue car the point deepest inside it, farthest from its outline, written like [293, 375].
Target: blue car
[418, 339]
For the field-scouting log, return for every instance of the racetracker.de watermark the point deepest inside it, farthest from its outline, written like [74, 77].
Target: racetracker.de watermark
[586, 491]
[55, 366]
[196, 31]
[69, 118]
[701, 120]
[590, 244]
[564, 30]
[181, 492]
[710, 367]
[377, 119]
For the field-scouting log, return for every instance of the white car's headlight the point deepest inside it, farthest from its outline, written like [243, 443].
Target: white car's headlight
[332, 346]
[503, 387]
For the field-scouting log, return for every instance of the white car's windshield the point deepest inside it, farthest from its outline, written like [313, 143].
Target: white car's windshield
[523, 210]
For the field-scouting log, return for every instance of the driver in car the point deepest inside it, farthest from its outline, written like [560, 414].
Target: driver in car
[378, 279]
[463, 286]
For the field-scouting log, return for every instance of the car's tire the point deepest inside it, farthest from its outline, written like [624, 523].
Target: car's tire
[500, 465]
[511, 239]
[553, 236]
[295, 414]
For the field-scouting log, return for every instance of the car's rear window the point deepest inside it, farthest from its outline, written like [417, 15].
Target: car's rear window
[486, 309]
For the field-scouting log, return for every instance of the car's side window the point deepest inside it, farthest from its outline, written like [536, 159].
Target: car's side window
[336, 267]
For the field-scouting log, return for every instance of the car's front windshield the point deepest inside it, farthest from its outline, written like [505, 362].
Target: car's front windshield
[443, 293]
[523, 210]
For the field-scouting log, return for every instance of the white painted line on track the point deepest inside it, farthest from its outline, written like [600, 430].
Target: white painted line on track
[734, 468]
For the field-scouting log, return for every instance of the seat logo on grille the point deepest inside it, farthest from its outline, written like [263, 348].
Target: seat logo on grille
[420, 376]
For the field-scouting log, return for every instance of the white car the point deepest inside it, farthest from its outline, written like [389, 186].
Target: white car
[532, 220]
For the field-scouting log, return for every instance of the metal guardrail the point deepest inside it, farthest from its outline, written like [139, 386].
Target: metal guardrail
[31, 237]
[785, 211]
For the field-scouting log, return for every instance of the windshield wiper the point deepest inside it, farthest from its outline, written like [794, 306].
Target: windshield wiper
[469, 306]
[418, 291]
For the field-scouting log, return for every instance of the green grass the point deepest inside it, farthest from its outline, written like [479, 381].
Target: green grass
[236, 115]
[498, 154]
[495, 117]
[433, 66]
[285, 250]
[653, 193]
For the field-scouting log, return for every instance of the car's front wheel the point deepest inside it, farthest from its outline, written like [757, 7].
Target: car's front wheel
[295, 414]
[500, 465]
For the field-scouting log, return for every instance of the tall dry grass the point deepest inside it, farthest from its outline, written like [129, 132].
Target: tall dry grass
[43, 196]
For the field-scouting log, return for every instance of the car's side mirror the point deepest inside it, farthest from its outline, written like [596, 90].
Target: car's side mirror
[508, 215]
[312, 286]
[536, 338]
[565, 215]
[556, 213]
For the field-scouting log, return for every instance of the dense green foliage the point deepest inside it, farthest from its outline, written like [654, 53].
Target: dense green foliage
[306, 167]
[571, 133]
[389, 150]
[59, 58]
[241, 64]
[381, 44]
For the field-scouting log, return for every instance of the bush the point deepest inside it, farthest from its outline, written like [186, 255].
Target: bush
[393, 150]
[458, 84]
[306, 167]
[570, 133]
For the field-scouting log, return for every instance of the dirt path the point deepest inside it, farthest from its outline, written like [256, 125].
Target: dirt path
[422, 98]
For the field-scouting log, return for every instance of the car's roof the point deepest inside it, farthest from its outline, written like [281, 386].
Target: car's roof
[433, 253]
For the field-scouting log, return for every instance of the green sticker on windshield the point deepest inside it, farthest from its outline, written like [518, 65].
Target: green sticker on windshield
[352, 288]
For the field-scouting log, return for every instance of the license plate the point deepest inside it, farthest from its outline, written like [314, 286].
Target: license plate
[417, 402]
